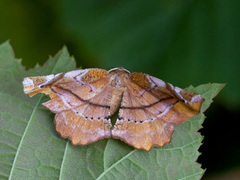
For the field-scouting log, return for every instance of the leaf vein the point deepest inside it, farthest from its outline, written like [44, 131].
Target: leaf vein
[24, 134]
[64, 157]
[112, 166]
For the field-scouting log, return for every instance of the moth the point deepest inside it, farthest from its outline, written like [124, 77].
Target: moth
[84, 101]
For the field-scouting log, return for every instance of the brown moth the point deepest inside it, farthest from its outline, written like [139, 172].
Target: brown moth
[84, 101]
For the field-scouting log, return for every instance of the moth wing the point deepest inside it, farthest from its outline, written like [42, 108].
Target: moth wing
[149, 109]
[81, 101]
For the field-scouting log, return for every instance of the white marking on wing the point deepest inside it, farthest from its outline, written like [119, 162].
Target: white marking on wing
[196, 99]
[49, 78]
[79, 77]
[74, 73]
[65, 102]
[157, 81]
[28, 82]
[165, 111]
[178, 91]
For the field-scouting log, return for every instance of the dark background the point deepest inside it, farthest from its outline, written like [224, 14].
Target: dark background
[182, 42]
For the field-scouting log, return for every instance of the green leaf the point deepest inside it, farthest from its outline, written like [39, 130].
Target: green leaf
[30, 148]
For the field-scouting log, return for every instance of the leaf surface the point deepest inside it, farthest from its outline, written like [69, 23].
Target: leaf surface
[30, 148]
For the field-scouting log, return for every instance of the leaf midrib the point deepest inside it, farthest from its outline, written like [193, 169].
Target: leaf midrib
[24, 134]
[64, 157]
[28, 124]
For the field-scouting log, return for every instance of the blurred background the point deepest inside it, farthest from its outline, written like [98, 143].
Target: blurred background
[189, 42]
